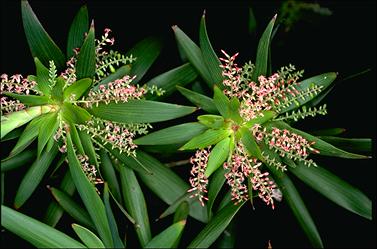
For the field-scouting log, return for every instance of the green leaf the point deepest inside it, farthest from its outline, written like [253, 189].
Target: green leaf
[212, 121]
[323, 80]
[79, 214]
[108, 173]
[261, 61]
[182, 211]
[252, 22]
[74, 114]
[89, 196]
[325, 148]
[55, 211]
[46, 130]
[335, 189]
[177, 134]
[217, 156]
[221, 102]
[42, 77]
[298, 207]
[234, 110]
[215, 184]
[89, 149]
[205, 139]
[57, 90]
[140, 111]
[16, 133]
[328, 132]
[110, 216]
[168, 81]
[199, 100]
[40, 43]
[30, 100]
[361, 145]
[77, 89]
[79, 27]
[194, 54]
[215, 227]
[34, 176]
[250, 144]
[37, 233]
[228, 237]
[168, 237]
[87, 236]
[23, 158]
[86, 59]
[76, 138]
[146, 52]
[119, 73]
[267, 115]
[210, 58]
[135, 204]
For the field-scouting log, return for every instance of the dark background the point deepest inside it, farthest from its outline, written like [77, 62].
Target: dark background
[344, 42]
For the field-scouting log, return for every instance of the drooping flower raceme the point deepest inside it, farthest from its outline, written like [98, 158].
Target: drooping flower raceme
[255, 142]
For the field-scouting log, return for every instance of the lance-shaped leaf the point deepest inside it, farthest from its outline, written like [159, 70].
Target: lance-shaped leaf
[108, 173]
[135, 204]
[251, 145]
[16, 133]
[215, 227]
[23, 158]
[221, 102]
[40, 43]
[74, 114]
[325, 149]
[119, 73]
[47, 130]
[86, 59]
[210, 57]
[181, 212]
[89, 196]
[194, 54]
[267, 115]
[215, 184]
[298, 207]
[212, 121]
[199, 100]
[177, 134]
[252, 22]
[34, 176]
[323, 80]
[140, 111]
[146, 52]
[76, 34]
[79, 214]
[77, 89]
[261, 61]
[335, 189]
[361, 145]
[37, 233]
[167, 238]
[234, 110]
[14, 120]
[30, 100]
[87, 236]
[42, 77]
[168, 81]
[218, 155]
[328, 132]
[87, 143]
[55, 211]
[209, 137]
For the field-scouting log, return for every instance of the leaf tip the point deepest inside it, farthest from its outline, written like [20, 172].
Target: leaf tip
[275, 16]
[174, 27]
[92, 24]
[204, 13]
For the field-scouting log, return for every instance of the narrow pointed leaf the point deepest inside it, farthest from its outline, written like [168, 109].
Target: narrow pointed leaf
[76, 139]
[16, 133]
[261, 62]
[118, 74]
[140, 111]
[215, 184]
[14, 162]
[181, 212]
[250, 144]
[205, 139]
[34, 176]
[293, 198]
[42, 77]
[86, 59]
[215, 227]
[252, 22]
[108, 173]
[194, 54]
[212, 121]
[358, 145]
[335, 189]
[79, 214]
[228, 237]
[135, 204]
[168, 237]
[221, 102]
[168, 81]
[89, 196]
[87, 236]
[217, 156]
[29, 100]
[210, 58]
[89, 149]
[234, 110]
[37, 233]
[267, 115]
[47, 130]
[79, 27]
[40, 43]
[57, 90]
[328, 132]
[75, 114]
[77, 89]
[146, 52]
[177, 134]
[199, 100]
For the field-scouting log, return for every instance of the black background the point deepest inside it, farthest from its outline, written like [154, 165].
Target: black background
[344, 42]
